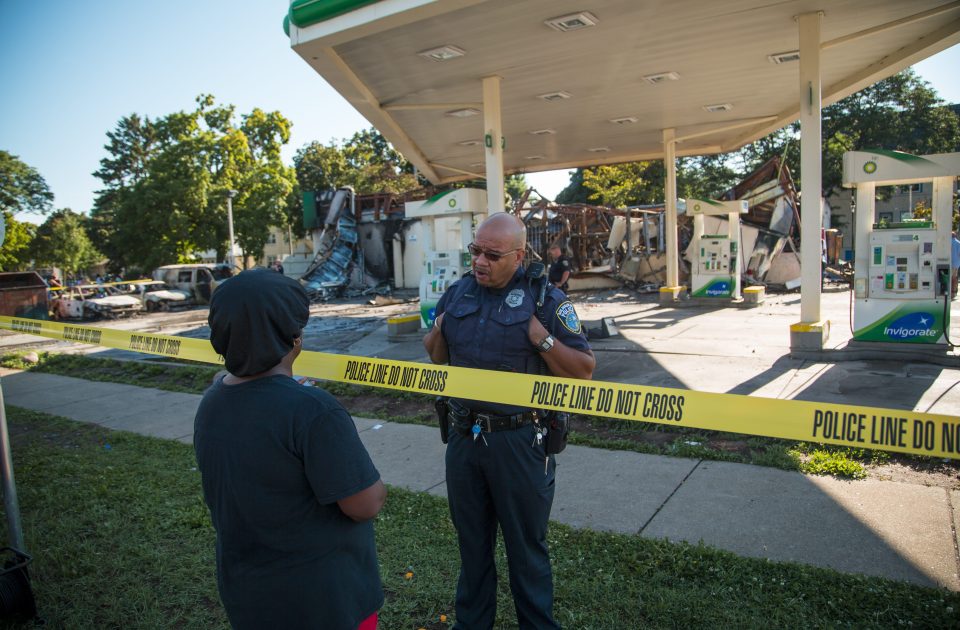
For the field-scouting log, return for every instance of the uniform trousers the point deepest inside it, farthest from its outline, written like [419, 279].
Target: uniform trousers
[501, 481]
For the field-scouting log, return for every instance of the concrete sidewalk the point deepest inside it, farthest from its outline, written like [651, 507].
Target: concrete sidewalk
[896, 530]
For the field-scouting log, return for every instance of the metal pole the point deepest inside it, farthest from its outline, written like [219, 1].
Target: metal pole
[230, 195]
[10, 504]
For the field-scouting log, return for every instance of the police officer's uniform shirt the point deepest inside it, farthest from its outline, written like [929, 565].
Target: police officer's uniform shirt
[558, 268]
[487, 328]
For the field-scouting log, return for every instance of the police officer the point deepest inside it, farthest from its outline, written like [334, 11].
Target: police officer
[559, 268]
[498, 472]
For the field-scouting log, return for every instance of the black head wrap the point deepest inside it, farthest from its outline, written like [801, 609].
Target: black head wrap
[254, 318]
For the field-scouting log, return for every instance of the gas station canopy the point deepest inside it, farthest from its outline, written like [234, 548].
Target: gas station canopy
[590, 82]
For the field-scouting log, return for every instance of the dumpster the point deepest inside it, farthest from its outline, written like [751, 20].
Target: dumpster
[23, 294]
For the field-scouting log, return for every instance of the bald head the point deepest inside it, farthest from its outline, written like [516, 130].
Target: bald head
[503, 238]
[506, 227]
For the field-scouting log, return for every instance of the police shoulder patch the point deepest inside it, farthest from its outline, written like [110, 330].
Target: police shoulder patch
[568, 317]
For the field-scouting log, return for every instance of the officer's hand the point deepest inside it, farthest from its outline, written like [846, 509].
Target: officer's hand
[535, 330]
[438, 321]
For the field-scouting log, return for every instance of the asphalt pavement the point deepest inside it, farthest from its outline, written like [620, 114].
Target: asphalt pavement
[899, 530]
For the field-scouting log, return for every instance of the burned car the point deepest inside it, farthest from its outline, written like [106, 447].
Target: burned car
[159, 296]
[91, 301]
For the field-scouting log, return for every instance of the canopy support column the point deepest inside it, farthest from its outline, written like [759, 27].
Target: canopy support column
[811, 332]
[672, 291]
[493, 142]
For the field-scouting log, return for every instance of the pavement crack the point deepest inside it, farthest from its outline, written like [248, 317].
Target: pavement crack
[436, 485]
[953, 529]
[670, 496]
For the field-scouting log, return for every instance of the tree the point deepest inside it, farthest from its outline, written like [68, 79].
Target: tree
[15, 252]
[366, 162]
[165, 184]
[900, 113]
[620, 185]
[575, 192]
[22, 189]
[641, 183]
[265, 183]
[706, 177]
[131, 146]
[515, 185]
[61, 241]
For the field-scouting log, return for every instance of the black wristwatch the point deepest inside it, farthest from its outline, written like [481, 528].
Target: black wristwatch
[545, 344]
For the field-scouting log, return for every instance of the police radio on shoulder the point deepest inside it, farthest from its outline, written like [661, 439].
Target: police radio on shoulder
[545, 344]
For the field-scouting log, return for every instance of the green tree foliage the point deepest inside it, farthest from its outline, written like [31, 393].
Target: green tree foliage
[575, 192]
[61, 241]
[265, 183]
[165, 184]
[130, 148]
[15, 253]
[899, 113]
[515, 185]
[620, 185]
[367, 162]
[706, 177]
[22, 189]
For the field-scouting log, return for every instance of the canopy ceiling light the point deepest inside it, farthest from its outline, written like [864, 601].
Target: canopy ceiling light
[442, 53]
[554, 96]
[660, 77]
[718, 107]
[784, 57]
[462, 113]
[572, 22]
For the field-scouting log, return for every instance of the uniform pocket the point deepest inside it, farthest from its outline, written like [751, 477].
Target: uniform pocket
[459, 328]
[509, 330]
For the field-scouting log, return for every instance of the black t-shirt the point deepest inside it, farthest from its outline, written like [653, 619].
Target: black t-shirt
[275, 457]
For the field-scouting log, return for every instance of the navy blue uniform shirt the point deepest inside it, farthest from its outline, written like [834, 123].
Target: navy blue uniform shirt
[487, 328]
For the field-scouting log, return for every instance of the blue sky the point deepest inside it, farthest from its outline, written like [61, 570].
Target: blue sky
[71, 70]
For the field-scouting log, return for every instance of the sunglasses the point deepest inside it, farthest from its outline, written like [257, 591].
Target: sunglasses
[475, 251]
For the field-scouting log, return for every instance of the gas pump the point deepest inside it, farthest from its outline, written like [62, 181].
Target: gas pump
[449, 220]
[716, 260]
[901, 269]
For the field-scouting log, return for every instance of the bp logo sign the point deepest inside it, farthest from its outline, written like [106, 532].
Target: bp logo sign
[914, 326]
[452, 202]
[870, 167]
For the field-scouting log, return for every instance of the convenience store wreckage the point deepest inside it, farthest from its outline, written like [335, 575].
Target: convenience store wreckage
[361, 241]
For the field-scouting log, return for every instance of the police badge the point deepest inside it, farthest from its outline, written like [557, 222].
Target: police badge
[514, 298]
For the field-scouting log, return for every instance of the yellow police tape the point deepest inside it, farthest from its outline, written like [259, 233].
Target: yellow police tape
[847, 425]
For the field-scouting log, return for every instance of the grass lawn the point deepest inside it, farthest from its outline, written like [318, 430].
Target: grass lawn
[121, 539]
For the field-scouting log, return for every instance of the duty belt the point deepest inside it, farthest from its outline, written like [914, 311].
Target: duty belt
[464, 419]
